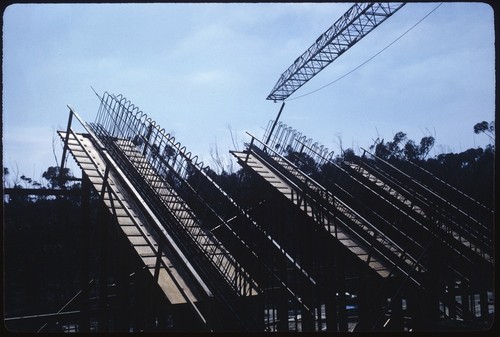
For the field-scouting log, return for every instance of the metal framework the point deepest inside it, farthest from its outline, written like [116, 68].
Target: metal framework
[448, 247]
[155, 247]
[220, 238]
[176, 252]
[356, 23]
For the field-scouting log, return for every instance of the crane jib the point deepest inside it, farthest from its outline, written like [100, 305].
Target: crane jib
[356, 23]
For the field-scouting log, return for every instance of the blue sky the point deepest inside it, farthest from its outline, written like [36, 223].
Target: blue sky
[201, 70]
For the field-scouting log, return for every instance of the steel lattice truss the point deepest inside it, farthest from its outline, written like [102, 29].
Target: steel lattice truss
[357, 22]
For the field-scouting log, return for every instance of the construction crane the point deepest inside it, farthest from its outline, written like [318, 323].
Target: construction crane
[356, 23]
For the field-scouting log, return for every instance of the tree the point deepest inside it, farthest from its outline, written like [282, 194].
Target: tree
[411, 150]
[402, 148]
[303, 161]
[394, 146]
[56, 178]
[223, 164]
[392, 149]
[426, 144]
[487, 128]
[349, 155]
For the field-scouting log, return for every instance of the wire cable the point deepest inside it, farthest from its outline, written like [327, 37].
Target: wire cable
[371, 58]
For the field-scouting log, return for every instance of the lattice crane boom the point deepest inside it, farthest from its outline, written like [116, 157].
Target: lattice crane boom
[356, 23]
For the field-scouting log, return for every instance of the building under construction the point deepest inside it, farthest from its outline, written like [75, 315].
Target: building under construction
[362, 246]
[352, 245]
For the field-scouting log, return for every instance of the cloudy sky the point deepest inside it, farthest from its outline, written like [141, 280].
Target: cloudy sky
[201, 70]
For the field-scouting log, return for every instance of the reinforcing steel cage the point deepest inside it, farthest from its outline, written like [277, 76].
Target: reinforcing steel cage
[165, 163]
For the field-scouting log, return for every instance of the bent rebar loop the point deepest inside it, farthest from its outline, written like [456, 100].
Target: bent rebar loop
[111, 114]
[283, 137]
[288, 134]
[268, 129]
[292, 140]
[104, 115]
[126, 120]
[276, 134]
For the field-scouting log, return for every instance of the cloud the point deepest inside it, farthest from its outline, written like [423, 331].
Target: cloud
[207, 77]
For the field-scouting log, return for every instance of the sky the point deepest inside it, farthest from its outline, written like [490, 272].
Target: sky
[203, 72]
